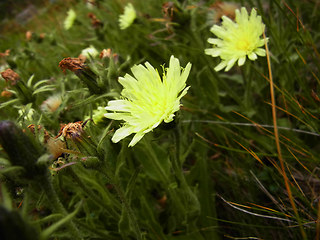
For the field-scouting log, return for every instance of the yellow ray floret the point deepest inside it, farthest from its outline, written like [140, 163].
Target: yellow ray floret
[127, 18]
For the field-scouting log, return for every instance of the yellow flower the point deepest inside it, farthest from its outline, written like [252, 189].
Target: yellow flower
[71, 17]
[147, 99]
[237, 40]
[98, 115]
[127, 18]
[90, 52]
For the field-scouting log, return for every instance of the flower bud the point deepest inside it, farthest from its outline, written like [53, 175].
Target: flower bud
[83, 72]
[24, 93]
[21, 149]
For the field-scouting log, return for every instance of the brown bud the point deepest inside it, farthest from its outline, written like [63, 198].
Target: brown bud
[42, 36]
[29, 35]
[106, 53]
[71, 64]
[6, 94]
[223, 9]
[46, 136]
[95, 22]
[71, 130]
[10, 76]
[5, 54]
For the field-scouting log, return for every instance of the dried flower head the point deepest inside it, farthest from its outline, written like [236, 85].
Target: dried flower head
[6, 94]
[148, 100]
[29, 35]
[10, 76]
[219, 9]
[71, 64]
[107, 53]
[127, 18]
[42, 36]
[46, 135]
[237, 40]
[5, 54]
[95, 22]
[71, 130]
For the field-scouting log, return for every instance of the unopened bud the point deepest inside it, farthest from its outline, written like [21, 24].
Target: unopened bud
[83, 72]
[24, 92]
[10, 76]
[21, 149]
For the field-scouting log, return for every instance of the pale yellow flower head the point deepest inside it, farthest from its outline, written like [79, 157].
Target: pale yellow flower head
[237, 40]
[148, 100]
[90, 52]
[127, 18]
[71, 17]
[52, 103]
[98, 114]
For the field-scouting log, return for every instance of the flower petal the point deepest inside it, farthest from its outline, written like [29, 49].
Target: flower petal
[242, 60]
[220, 66]
[137, 137]
[118, 105]
[121, 133]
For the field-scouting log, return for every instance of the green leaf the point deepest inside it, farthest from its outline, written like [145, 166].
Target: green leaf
[8, 103]
[48, 232]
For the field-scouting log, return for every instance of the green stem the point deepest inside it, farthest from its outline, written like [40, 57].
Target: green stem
[154, 157]
[105, 170]
[247, 81]
[57, 206]
[92, 195]
[189, 198]
[175, 197]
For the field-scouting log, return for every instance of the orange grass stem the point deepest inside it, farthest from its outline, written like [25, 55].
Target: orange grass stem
[276, 135]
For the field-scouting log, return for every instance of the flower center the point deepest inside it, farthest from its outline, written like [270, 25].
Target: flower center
[243, 44]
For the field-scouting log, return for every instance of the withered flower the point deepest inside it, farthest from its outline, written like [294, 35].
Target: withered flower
[167, 9]
[72, 64]
[95, 22]
[220, 9]
[46, 136]
[10, 76]
[83, 72]
[107, 53]
[5, 54]
[42, 36]
[6, 94]
[29, 35]
[71, 130]
[78, 138]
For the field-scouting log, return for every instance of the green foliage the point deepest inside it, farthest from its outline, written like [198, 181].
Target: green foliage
[214, 174]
